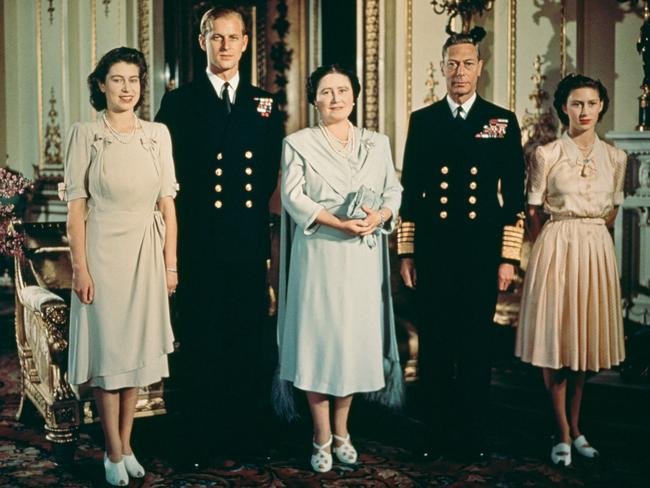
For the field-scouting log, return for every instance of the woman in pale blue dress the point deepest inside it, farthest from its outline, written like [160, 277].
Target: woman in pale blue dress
[341, 195]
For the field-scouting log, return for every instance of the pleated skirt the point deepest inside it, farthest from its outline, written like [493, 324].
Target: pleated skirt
[570, 315]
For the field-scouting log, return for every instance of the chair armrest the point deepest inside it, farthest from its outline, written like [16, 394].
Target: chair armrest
[53, 311]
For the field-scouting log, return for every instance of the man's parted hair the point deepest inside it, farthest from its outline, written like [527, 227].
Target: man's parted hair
[223, 11]
[472, 37]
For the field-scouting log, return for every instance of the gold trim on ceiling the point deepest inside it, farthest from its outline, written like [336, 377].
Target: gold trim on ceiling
[512, 54]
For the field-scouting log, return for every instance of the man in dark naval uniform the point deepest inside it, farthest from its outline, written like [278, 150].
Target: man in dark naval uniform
[227, 137]
[458, 243]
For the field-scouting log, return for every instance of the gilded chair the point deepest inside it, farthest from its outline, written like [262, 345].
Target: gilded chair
[43, 289]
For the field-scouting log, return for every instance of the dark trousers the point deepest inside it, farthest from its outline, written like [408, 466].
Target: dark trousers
[456, 296]
[226, 355]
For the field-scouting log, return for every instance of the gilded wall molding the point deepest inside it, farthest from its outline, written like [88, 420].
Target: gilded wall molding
[512, 54]
[563, 40]
[39, 79]
[53, 152]
[93, 35]
[409, 57]
[431, 84]
[371, 65]
[144, 43]
[107, 4]
[50, 10]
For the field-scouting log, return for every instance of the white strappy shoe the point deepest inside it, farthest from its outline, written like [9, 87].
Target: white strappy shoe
[133, 467]
[321, 461]
[561, 454]
[345, 453]
[582, 446]
[115, 472]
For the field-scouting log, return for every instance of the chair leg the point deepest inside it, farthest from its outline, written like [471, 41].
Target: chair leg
[21, 405]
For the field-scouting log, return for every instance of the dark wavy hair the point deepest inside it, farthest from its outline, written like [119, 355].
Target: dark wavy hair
[320, 72]
[117, 55]
[572, 82]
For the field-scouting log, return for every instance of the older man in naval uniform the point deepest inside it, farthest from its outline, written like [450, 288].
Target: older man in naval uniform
[227, 137]
[459, 243]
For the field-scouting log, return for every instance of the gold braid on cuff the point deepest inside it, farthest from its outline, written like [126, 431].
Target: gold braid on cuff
[513, 239]
[406, 238]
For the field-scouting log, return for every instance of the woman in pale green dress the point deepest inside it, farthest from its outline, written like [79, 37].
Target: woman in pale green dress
[341, 195]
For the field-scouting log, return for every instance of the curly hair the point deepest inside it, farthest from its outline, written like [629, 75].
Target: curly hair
[320, 72]
[572, 82]
[117, 55]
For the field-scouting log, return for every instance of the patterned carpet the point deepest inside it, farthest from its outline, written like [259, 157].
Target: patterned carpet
[518, 458]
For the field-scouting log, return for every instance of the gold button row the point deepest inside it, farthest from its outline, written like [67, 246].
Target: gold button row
[247, 203]
[444, 215]
[247, 187]
[445, 170]
[248, 170]
[247, 155]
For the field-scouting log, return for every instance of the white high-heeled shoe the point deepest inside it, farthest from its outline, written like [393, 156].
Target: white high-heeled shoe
[321, 461]
[582, 446]
[133, 467]
[345, 453]
[115, 472]
[561, 454]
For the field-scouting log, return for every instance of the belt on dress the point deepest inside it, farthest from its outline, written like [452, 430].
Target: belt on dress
[583, 220]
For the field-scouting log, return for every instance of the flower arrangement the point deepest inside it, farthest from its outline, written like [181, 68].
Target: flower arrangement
[12, 184]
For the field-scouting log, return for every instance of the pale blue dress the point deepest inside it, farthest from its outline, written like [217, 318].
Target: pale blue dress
[335, 295]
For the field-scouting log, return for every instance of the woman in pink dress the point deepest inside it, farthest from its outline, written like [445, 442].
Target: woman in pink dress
[570, 319]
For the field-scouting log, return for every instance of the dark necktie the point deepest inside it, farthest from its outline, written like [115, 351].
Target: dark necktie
[225, 95]
[459, 115]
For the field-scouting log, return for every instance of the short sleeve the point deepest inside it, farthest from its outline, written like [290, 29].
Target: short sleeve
[77, 162]
[537, 177]
[168, 185]
[620, 165]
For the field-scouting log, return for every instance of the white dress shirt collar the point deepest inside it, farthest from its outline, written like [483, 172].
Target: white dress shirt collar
[466, 106]
[218, 83]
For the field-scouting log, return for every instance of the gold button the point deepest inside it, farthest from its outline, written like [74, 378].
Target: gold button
[444, 200]
[248, 154]
[472, 200]
[444, 185]
[248, 187]
[424, 194]
[472, 215]
[219, 156]
[248, 171]
[473, 185]
[249, 203]
[443, 215]
[218, 204]
[218, 171]
[218, 188]
[473, 170]
[444, 170]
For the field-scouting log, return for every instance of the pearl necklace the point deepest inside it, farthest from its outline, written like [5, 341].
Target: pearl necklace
[123, 138]
[346, 147]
